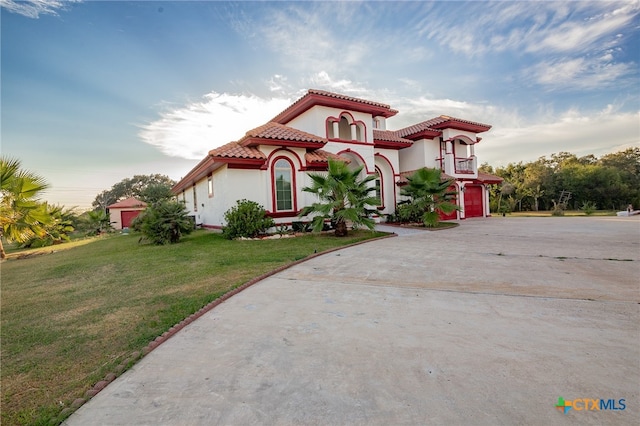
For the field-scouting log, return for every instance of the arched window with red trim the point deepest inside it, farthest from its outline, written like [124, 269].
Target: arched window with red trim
[283, 185]
[379, 189]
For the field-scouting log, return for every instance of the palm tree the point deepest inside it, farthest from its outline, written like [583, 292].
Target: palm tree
[343, 197]
[429, 195]
[22, 215]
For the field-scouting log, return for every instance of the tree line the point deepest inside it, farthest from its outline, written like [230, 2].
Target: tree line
[30, 222]
[610, 182]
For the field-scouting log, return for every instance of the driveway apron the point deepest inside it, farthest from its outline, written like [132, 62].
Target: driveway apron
[488, 323]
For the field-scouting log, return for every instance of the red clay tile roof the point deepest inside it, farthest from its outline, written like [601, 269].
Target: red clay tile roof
[403, 176]
[446, 118]
[277, 131]
[321, 156]
[347, 98]
[389, 136]
[419, 127]
[128, 203]
[322, 97]
[489, 178]
[442, 122]
[235, 150]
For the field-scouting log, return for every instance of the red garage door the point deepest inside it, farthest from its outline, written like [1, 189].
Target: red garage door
[473, 201]
[127, 216]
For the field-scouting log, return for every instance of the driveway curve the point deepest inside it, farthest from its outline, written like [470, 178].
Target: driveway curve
[488, 323]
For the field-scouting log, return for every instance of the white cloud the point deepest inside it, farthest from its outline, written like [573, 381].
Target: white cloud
[580, 72]
[192, 130]
[35, 8]
[322, 80]
[577, 35]
[574, 131]
[308, 38]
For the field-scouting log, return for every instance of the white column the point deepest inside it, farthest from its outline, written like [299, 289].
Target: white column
[487, 208]
[336, 129]
[449, 166]
[354, 133]
[461, 200]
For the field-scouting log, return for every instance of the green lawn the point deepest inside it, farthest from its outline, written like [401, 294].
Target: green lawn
[72, 316]
[542, 213]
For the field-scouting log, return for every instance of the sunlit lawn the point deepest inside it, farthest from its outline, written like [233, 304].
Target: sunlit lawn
[566, 213]
[70, 317]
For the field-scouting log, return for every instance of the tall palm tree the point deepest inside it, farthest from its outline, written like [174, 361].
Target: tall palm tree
[429, 194]
[343, 197]
[22, 215]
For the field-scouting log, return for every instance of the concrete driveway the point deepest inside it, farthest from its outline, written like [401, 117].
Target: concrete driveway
[485, 324]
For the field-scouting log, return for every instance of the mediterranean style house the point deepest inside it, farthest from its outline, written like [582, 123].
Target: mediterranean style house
[270, 164]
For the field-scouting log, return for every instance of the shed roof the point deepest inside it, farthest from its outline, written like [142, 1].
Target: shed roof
[130, 202]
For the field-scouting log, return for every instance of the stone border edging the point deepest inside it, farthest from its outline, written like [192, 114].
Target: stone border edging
[137, 355]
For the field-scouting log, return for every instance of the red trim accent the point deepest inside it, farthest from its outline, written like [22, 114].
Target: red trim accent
[381, 205]
[203, 168]
[293, 186]
[424, 134]
[349, 142]
[458, 125]
[283, 214]
[389, 144]
[331, 119]
[364, 163]
[312, 99]
[463, 137]
[277, 151]
[245, 166]
[281, 142]
[395, 175]
[212, 226]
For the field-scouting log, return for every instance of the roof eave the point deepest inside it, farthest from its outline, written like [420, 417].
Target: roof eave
[467, 127]
[253, 141]
[313, 99]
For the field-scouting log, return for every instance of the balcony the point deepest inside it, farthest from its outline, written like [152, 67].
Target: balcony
[465, 165]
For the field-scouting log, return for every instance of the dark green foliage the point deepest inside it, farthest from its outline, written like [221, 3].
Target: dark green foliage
[96, 222]
[611, 182]
[163, 222]
[428, 195]
[588, 207]
[147, 188]
[57, 230]
[301, 226]
[246, 219]
[344, 197]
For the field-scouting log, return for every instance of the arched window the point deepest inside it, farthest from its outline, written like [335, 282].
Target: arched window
[283, 185]
[345, 129]
[378, 186]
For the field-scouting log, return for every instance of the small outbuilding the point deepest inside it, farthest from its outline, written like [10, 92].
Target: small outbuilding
[123, 212]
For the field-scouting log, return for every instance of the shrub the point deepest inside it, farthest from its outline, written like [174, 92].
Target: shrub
[588, 207]
[301, 226]
[163, 222]
[246, 219]
[409, 213]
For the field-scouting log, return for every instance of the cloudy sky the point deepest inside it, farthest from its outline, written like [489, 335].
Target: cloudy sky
[97, 91]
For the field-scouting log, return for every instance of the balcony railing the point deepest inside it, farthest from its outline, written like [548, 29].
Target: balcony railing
[465, 165]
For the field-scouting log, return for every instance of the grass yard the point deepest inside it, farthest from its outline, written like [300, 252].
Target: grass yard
[572, 213]
[70, 317]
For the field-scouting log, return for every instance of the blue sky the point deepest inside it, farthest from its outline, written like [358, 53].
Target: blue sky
[97, 91]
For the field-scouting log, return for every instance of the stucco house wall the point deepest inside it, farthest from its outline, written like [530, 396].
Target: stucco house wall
[305, 137]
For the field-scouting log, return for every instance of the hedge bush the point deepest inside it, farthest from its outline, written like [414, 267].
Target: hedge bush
[246, 219]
